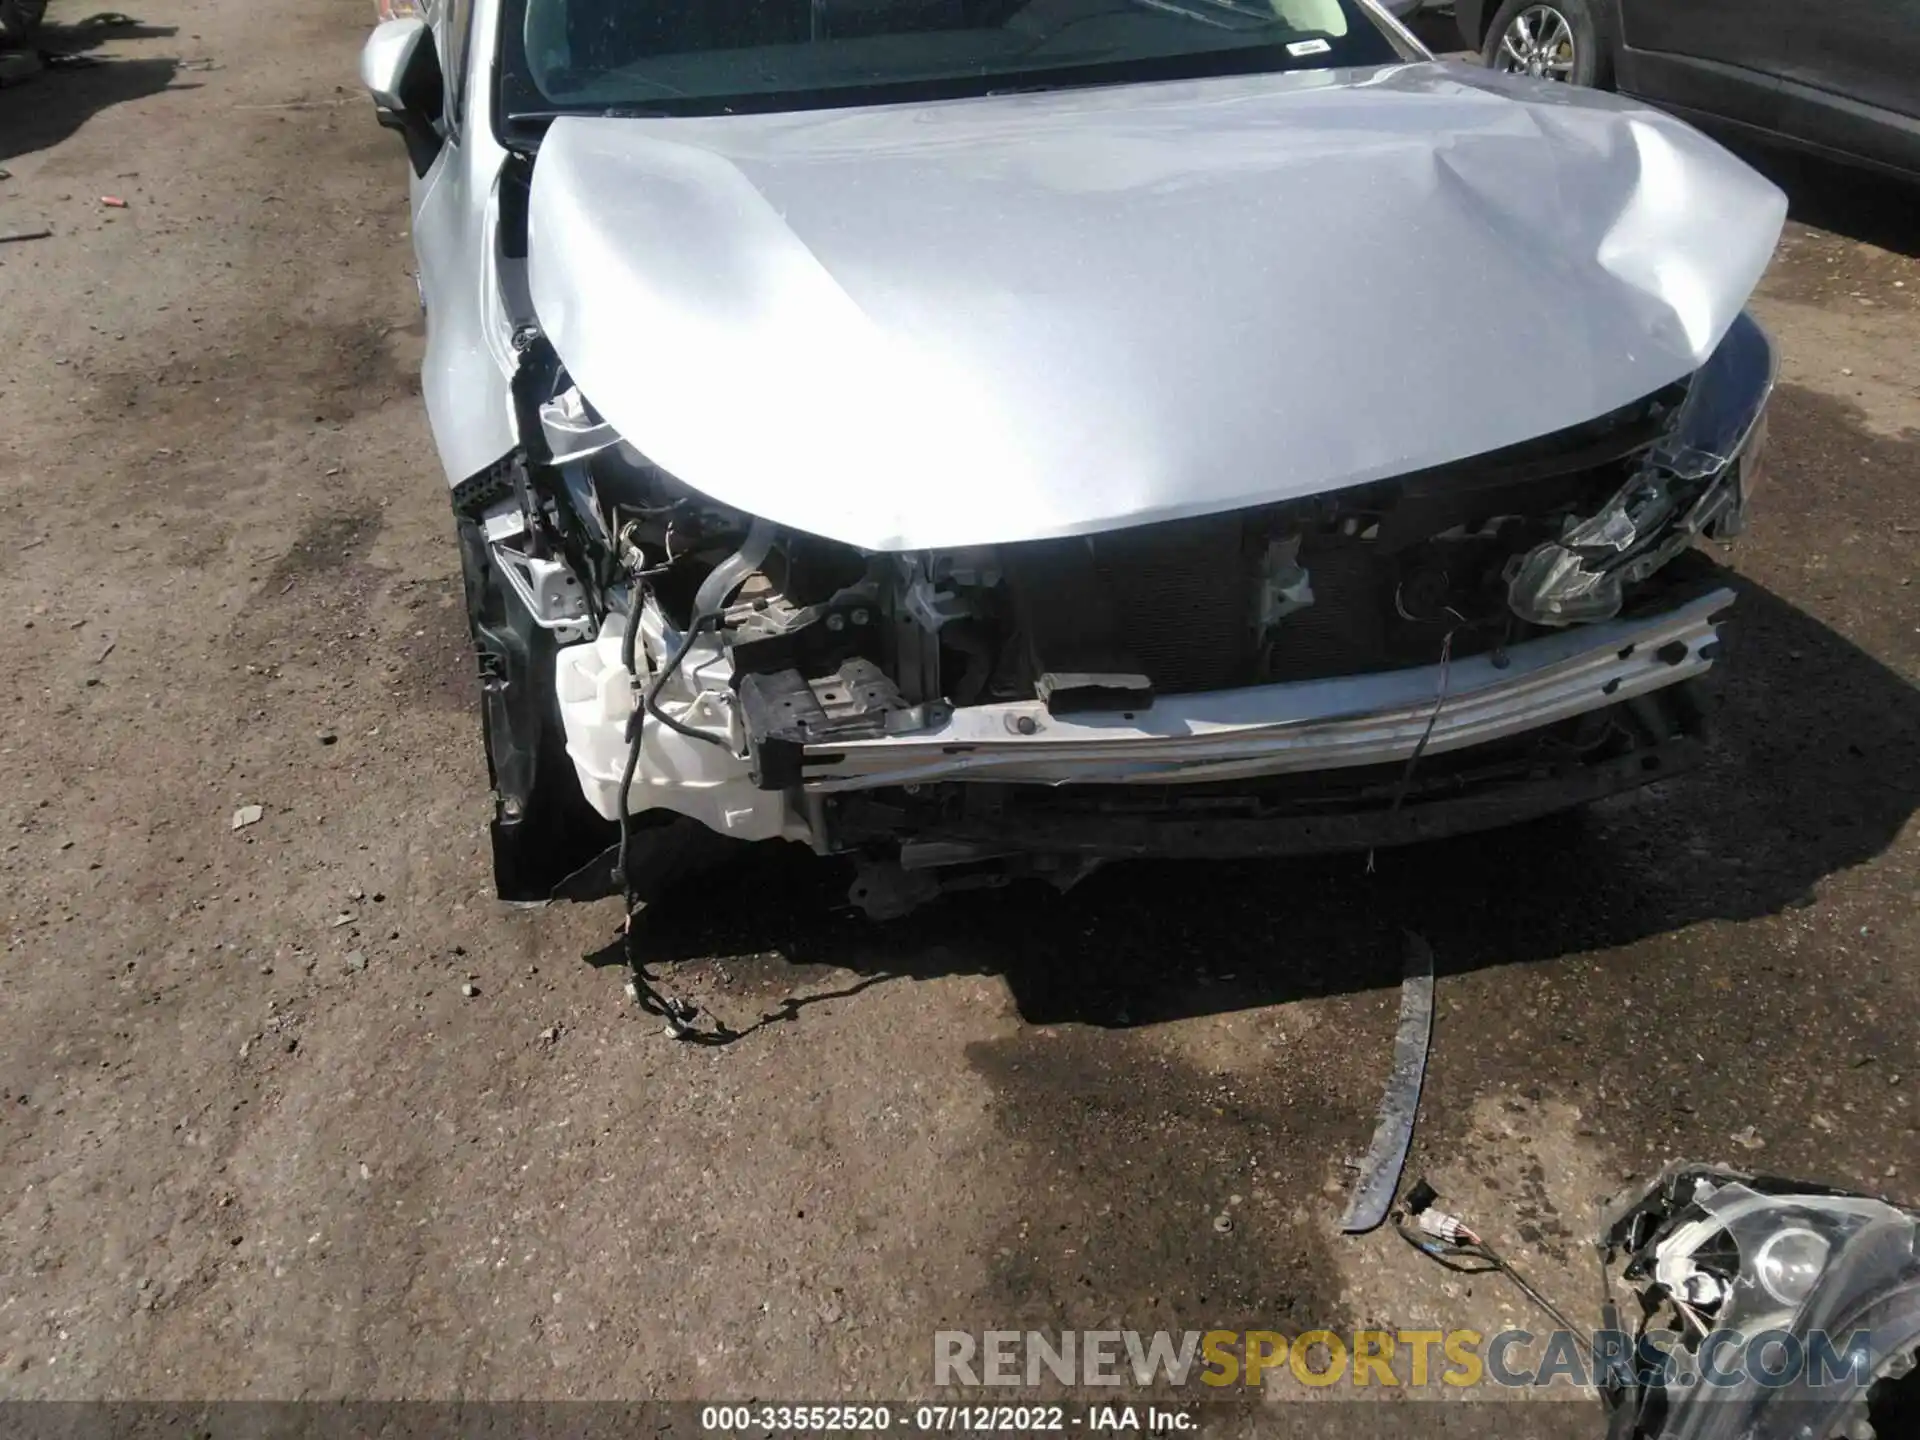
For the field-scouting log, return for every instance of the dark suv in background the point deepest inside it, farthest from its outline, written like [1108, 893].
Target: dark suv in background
[1837, 77]
[19, 19]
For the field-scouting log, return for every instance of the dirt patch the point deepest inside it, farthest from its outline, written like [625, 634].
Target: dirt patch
[328, 548]
[315, 613]
[1816, 267]
[1158, 1196]
[328, 372]
[434, 646]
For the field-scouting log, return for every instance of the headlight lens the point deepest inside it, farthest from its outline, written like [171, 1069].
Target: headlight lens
[1728, 398]
[1789, 1264]
[1693, 481]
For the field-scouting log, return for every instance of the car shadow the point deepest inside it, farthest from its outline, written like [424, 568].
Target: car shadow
[77, 84]
[1844, 199]
[1815, 768]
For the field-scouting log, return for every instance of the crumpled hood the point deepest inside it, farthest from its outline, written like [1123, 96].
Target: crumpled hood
[1030, 316]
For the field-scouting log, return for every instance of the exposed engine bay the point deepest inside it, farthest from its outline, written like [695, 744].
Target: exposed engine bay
[1256, 682]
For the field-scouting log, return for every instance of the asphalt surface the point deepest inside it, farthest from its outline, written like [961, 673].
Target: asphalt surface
[297, 1110]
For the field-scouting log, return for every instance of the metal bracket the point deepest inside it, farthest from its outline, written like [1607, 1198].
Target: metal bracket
[548, 588]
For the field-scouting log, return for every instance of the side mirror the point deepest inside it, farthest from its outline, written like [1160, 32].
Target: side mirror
[401, 70]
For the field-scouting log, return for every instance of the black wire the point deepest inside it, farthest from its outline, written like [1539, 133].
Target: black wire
[679, 1014]
[1444, 1253]
[652, 704]
[1499, 1263]
[629, 638]
[636, 723]
[1450, 1253]
[626, 781]
[1420, 748]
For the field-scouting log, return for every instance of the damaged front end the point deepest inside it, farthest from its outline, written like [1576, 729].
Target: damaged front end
[1446, 651]
[1770, 1310]
[1686, 486]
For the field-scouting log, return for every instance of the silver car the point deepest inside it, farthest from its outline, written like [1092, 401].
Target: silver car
[995, 437]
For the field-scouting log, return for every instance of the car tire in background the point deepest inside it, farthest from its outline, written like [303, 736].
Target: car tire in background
[1552, 39]
[19, 19]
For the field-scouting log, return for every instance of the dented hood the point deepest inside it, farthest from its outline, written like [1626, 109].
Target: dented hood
[1030, 316]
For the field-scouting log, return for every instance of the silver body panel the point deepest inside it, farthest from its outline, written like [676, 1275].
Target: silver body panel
[469, 313]
[1031, 316]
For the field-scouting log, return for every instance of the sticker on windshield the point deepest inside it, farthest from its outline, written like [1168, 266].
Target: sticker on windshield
[1308, 47]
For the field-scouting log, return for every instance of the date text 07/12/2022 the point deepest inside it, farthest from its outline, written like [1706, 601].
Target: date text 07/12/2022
[961, 1419]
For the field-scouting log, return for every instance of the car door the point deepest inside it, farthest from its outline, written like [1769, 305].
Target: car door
[1866, 50]
[1717, 57]
[1861, 76]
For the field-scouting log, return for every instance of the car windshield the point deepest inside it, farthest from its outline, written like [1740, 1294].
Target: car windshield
[695, 57]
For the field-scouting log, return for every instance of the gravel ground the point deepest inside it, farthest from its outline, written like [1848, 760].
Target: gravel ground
[297, 1110]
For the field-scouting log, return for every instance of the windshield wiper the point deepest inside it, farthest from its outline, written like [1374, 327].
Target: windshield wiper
[591, 112]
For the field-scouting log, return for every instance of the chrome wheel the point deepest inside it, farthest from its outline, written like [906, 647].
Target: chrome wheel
[1539, 42]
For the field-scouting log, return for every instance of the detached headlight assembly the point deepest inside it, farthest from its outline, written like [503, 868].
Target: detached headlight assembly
[1694, 481]
[1793, 1302]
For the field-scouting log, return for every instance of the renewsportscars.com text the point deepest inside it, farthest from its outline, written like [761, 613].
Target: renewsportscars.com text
[1515, 1359]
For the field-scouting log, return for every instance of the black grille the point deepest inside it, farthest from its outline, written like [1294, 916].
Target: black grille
[1345, 630]
[1183, 593]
